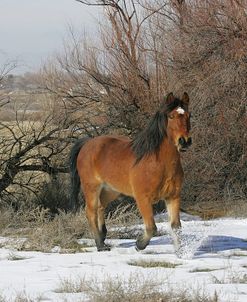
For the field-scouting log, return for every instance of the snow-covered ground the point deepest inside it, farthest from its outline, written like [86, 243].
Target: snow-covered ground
[214, 259]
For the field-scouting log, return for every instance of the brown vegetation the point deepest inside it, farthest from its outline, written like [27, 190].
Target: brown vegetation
[145, 50]
[137, 288]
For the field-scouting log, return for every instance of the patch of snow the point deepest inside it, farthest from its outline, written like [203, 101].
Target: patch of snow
[56, 249]
[162, 217]
[212, 250]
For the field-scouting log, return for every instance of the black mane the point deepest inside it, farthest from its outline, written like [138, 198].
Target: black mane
[149, 140]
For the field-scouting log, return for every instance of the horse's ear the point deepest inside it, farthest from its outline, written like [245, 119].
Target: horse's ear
[185, 98]
[170, 98]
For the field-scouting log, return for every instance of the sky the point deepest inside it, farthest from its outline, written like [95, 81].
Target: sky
[32, 30]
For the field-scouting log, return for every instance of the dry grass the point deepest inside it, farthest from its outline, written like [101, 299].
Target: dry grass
[124, 215]
[152, 264]
[5, 219]
[135, 289]
[231, 277]
[212, 209]
[43, 232]
[237, 209]
[203, 270]
[69, 285]
[21, 297]
[120, 222]
[22, 221]
[62, 231]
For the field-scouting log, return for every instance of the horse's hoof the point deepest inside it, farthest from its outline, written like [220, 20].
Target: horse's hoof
[104, 248]
[141, 244]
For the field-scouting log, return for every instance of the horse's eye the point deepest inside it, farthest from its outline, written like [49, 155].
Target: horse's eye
[170, 116]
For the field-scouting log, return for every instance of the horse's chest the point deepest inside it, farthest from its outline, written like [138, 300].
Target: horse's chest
[170, 187]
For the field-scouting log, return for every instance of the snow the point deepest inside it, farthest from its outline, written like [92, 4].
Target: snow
[214, 258]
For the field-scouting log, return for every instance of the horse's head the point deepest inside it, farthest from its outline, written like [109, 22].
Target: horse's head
[178, 121]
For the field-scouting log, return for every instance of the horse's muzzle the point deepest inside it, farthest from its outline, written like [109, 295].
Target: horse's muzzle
[184, 144]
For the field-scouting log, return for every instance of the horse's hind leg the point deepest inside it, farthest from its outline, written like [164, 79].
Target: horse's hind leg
[146, 210]
[106, 196]
[92, 193]
[101, 222]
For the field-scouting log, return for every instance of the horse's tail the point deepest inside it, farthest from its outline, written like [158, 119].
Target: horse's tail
[74, 176]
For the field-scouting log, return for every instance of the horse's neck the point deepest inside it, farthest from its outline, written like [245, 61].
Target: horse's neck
[169, 155]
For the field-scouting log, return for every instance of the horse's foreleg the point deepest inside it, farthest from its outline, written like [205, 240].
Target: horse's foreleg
[146, 211]
[173, 209]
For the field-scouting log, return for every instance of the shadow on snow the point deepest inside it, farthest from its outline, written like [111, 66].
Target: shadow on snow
[211, 244]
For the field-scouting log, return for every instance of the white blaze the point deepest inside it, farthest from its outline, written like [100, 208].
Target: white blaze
[180, 110]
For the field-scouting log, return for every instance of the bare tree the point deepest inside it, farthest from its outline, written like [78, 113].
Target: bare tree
[31, 149]
[119, 71]
[4, 73]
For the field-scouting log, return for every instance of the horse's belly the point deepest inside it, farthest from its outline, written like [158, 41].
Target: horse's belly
[122, 187]
[116, 180]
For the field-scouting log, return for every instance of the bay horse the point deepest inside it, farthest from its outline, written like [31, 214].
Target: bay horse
[147, 168]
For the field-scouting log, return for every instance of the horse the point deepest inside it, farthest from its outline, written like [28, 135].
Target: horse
[147, 168]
